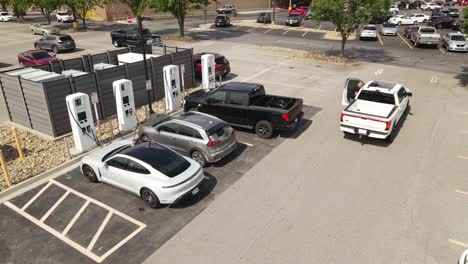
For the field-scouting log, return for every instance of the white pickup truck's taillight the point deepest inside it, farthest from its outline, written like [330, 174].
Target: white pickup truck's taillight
[388, 124]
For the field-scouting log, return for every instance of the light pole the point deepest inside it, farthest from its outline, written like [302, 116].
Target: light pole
[143, 45]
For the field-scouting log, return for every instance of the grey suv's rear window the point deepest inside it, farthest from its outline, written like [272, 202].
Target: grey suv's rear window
[65, 38]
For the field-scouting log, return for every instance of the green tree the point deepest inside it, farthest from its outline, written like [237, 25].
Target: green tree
[81, 8]
[3, 4]
[178, 8]
[347, 15]
[47, 7]
[137, 7]
[464, 27]
[20, 7]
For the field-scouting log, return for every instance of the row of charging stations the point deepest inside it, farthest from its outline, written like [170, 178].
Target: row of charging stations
[81, 119]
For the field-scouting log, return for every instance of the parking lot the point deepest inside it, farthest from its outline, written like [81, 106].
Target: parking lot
[309, 195]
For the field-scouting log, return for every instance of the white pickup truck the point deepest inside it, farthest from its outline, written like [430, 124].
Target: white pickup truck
[373, 109]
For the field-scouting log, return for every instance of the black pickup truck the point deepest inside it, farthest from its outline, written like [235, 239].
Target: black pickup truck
[132, 37]
[246, 105]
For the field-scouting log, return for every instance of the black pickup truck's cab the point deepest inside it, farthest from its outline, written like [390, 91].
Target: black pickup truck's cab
[132, 37]
[246, 105]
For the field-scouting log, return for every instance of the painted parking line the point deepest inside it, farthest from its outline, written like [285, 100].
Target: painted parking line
[268, 30]
[441, 50]
[405, 41]
[235, 28]
[458, 243]
[320, 26]
[245, 143]
[462, 157]
[251, 29]
[461, 192]
[87, 251]
[284, 33]
[304, 34]
[380, 39]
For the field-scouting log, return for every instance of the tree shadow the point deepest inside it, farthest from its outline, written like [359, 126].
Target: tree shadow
[217, 34]
[463, 77]
[380, 142]
[365, 54]
[205, 188]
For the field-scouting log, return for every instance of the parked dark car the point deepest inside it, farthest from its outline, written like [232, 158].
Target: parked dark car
[412, 5]
[132, 36]
[294, 19]
[246, 105]
[222, 65]
[442, 22]
[456, 25]
[264, 18]
[453, 12]
[36, 58]
[222, 21]
[56, 43]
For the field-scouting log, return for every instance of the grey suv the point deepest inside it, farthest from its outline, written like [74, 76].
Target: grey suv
[56, 43]
[204, 138]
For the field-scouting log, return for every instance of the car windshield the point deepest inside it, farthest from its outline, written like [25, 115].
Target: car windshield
[370, 28]
[389, 25]
[427, 30]
[294, 16]
[41, 55]
[458, 38]
[378, 97]
[4, 13]
[262, 14]
[220, 17]
[62, 13]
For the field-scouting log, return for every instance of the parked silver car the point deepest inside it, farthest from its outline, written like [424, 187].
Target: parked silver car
[368, 32]
[204, 138]
[56, 43]
[388, 29]
[44, 29]
[455, 42]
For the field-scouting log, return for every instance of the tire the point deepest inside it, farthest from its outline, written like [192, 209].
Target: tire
[116, 43]
[150, 199]
[399, 23]
[55, 49]
[264, 129]
[425, 21]
[198, 157]
[415, 23]
[89, 173]
[145, 138]
[37, 46]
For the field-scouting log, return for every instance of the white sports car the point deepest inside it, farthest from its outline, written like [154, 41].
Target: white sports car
[149, 170]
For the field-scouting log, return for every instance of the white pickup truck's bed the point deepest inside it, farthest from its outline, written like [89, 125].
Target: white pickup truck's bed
[371, 108]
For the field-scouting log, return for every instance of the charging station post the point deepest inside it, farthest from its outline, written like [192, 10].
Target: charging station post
[208, 72]
[81, 120]
[125, 104]
[172, 88]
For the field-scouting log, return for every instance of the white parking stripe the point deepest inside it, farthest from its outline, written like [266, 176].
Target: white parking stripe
[245, 143]
[63, 235]
[285, 32]
[59, 201]
[251, 29]
[72, 222]
[304, 34]
[99, 232]
[461, 192]
[268, 30]
[36, 196]
[458, 243]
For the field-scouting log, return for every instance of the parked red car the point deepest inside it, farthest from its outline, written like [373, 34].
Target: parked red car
[463, 2]
[299, 10]
[222, 66]
[35, 58]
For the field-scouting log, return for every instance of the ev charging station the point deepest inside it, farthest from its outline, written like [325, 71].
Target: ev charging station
[125, 103]
[208, 71]
[172, 87]
[81, 119]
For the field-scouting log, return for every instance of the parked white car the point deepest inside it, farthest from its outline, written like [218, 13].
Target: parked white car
[368, 32]
[394, 9]
[401, 20]
[64, 17]
[430, 6]
[5, 17]
[419, 18]
[149, 170]
[373, 109]
[225, 9]
[455, 42]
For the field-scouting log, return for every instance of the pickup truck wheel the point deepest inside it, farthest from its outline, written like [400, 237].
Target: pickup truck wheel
[116, 43]
[264, 129]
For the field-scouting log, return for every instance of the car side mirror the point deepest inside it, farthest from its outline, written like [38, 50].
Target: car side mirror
[409, 93]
